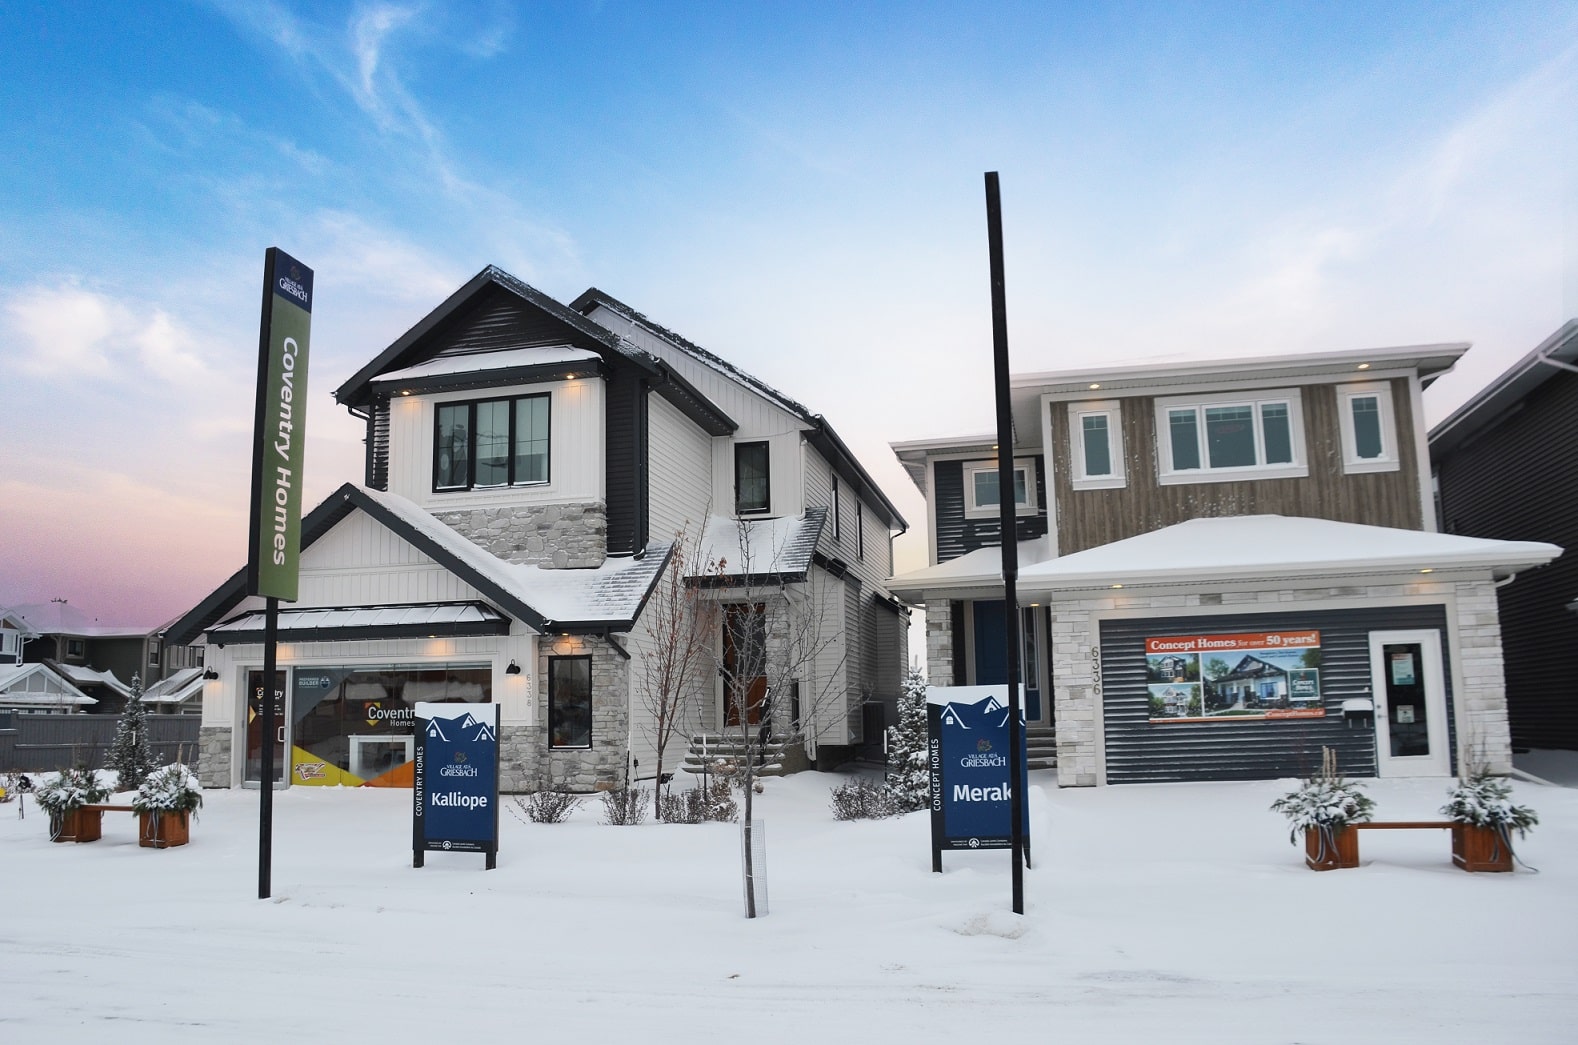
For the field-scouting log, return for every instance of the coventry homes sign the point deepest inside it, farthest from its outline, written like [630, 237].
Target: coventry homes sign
[280, 428]
[455, 804]
[968, 755]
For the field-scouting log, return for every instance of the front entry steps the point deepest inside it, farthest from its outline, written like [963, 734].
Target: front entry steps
[1040, 747]
[718, 752]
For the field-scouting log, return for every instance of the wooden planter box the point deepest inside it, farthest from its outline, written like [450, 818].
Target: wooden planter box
[1480, 849]
[77, 825]
[163, 830]
[1327, 851]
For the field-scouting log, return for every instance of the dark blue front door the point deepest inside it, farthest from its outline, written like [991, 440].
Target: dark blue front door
[991, 653]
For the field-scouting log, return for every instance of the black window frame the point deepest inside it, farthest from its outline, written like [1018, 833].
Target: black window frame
[512, 439]
[554, 706]
[860, 531]
[740, 508]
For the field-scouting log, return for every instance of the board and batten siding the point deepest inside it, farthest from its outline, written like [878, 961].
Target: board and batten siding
[1518, 480]
[1091, 518]
[680, 466]
[958, 534]
[1140, 751]
[576, 448]
[361, 562]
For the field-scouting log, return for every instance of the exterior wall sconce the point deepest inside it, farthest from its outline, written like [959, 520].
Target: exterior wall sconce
[210, 675]
[513, 669]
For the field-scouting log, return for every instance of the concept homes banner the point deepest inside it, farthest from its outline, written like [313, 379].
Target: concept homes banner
[970, 792]
[1206, 678]
[455, 805]
[279, 431]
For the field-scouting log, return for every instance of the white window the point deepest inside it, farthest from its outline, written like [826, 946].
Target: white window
[1096, 445]
[981, 497]
[1230, 437]
[1369, 428]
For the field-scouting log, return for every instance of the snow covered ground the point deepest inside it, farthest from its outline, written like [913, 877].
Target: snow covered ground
[1165, 913]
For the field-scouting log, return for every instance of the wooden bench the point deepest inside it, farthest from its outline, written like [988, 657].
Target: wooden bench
[86, 824]
[1473, 848]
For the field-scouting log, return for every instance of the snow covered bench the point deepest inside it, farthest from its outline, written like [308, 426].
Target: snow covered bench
[1472, 850]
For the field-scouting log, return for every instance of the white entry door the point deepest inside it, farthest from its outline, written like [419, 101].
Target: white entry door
[1410, 703]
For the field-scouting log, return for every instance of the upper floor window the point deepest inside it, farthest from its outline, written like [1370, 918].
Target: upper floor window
[837, 536]
[1222, 438]
[981, 488]
[491, 443]
[153, 654]
[860, 531]
[1369, 428]
[76, 648]
[752, 480]
[1096, 445]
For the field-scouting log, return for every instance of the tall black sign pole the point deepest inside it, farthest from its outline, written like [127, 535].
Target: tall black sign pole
[274, 540]
[1008, 521]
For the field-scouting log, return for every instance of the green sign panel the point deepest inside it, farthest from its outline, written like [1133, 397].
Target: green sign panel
[281, 427]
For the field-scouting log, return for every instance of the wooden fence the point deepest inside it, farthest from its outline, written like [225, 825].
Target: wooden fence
[44, 743]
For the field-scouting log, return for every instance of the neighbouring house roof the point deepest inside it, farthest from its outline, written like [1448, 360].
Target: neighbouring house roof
[85, 676]
[914, 453]
[974, 570]
[820, 435]
[38, 686]
[176, 688]
[1506, 391]
[1275, 547]
[608, 598]
[736, 553]
[62, 618]
[328, 624]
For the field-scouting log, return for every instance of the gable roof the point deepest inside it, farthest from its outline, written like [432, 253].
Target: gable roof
[758, 551]
[1553, 355]
[608, 598]
[820, 434]
[36, 685]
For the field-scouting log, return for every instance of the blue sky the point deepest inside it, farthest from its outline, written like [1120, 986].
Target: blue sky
[797, 187]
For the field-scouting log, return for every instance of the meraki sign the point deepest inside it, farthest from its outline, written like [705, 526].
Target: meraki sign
[280, 432]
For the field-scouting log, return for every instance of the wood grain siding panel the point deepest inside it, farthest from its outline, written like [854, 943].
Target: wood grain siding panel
[679, 466]
[1518, 480]
[1138, 751]
[625, 468]
[1091, 518]
[957, 534]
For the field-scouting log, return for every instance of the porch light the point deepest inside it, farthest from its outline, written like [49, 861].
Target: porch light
[513, 669]
[405, 391]
[1427, 569]
[210, 675]
[1095, 385]
[1364, 366]
[1117, 585]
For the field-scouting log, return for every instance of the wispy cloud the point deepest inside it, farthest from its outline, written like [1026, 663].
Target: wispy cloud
[67, 332]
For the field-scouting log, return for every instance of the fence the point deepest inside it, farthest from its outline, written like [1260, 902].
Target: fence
[44, 743]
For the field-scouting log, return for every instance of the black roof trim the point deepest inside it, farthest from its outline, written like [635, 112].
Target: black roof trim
[476, 379]
[497, 625]
[406, 350]
[692, 402]
[843, 461]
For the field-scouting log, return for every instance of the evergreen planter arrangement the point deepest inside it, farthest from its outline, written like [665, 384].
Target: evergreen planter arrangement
[1484, 819]
[63, 798]
[1324, 808]
[166, 802]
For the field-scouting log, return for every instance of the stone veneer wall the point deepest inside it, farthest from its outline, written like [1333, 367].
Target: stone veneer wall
[213, 756]
[939, 642]
[1479, 692]
[601, 766]
[553, 536]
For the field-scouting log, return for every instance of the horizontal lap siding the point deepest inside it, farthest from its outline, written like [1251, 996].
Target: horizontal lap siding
[1138, 751]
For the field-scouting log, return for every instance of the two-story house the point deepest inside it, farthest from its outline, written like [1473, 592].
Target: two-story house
[1178, 522]
[530, 467]
[1506, 465]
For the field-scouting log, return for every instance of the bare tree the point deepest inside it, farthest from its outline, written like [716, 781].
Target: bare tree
[683, 625]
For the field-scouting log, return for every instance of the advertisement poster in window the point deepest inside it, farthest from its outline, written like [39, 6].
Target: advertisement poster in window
[1247, 675]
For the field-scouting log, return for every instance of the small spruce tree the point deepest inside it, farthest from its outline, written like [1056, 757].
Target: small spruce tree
[131, 753]
[909, 777]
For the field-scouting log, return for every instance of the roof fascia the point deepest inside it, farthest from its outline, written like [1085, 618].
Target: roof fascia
[1516, 383]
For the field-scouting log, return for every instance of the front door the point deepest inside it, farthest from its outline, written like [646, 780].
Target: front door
[989, 646]
[1410, 703]
[744, 663]
[254, 769]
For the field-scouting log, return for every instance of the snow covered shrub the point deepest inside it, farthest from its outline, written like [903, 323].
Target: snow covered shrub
[1486, 801]
[131, 752]
[70, 789]
[863, 799]
[699, 805]
[909, 777]
[1325, 802]
[547, 807]
[625, 806]
[169, 789]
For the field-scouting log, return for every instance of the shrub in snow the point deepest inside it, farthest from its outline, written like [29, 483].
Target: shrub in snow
[909, 777]
[1325, 802]
[70, 789]
[699, 805]
[863, 799]
[1486, 801]
[547, 807]
[169, 789]
[131, 753]
[625, 806]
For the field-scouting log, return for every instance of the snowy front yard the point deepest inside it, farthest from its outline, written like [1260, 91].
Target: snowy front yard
[1156, 913]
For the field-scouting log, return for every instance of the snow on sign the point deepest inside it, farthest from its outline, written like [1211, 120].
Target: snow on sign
[455, 801]
[970, 792]
[1250, 675]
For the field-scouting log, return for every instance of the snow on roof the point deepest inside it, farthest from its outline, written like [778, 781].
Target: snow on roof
[176, 688]
[35, 685]
[981, 568]
[611, 593]
[1275, 546]
[758, 547]
[503, 360]
[62, 618]
[85, 676]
